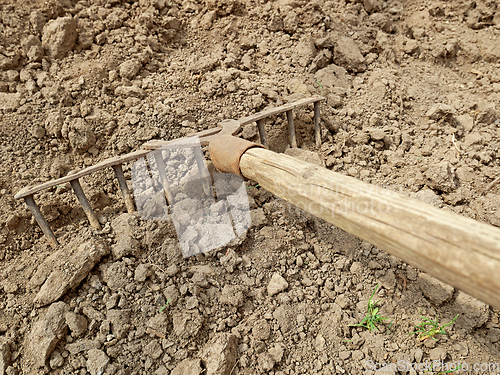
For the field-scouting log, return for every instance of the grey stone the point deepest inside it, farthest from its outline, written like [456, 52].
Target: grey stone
[276, 285]
[59, 36]
[82, 346]
[333, 76]
[220, 354]
[115, 276]
[472, 312]
[46, 334]
[441, 111]
[153, 349]
[188, 367]
[66, 268]
[56, 360]
[276, 352]
[158, 325]
[126, 244]
[346, 54]
[261, 330]
[97, 362]
[433, 289]
[265, 361]
[438, 354]
[32, 47]
[5, 355]
[120, 322]
[81, 136]
[142, 272]
[130, 68]
[232, 295]
[77, 324]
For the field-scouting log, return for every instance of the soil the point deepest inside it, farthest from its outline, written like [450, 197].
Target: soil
[412, 104]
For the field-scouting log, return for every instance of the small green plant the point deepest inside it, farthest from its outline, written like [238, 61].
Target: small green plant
[429, 328]
[319, 84]
[165, 306]
[372, 317]
[252, 187]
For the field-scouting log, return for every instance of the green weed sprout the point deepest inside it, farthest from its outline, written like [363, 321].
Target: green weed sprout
[164, 306]
[319, 84]
[373, 317]
[430, 328]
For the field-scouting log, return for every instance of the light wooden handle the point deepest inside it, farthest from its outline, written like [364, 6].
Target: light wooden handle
[457, 250]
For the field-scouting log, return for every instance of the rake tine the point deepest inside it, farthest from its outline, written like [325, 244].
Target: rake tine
[129, 202]
[317, 130]
[94, 221]
[160, 164]
[35, 210]
[262, 133]
[200, 162]
[291, 128]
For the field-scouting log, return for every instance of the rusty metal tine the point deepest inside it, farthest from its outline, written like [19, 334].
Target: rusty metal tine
[317, 130]
[35, 210]
[262, 133]
[94, 221]
[291, 128]
[160, 164]
[122, 183]
[200, 162]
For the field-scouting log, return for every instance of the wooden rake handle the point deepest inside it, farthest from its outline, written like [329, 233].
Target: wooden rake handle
[457, 250]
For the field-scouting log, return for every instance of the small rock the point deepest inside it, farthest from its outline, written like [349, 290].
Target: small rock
[97, 362]
[77, 324]
[487, 116]
[81, 136]
[153, 349]
[232, 295]
[56, 360]
[346, 54]
[130, 68]
[305, 51]
[59, 36]
[376, 134]
[191, 302]
[441, 112]
[372, 6]
[440, 176]
[33, 48]
[130, 91]
[436, 291]
[5, 355]
[438, 354]
[220, 354]
[276, 352]
[265, 361]
[188, 367]
[261, 330]
[332, 76]
[142, 272]
[158, 325]
[46, 334]
[82, 346]
[466, 121]
[54, 123]
[78, 260]
[276, 285]
[126, 244]
[120, 322]
[472, 312]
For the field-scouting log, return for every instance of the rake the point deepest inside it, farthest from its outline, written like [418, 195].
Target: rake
[457, 250]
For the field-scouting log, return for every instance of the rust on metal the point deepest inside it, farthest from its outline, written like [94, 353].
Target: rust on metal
[37, 214]
[94, 221]
[291, 129]
[226, 152]
[317, 129]
[262, 132]
[122, 183]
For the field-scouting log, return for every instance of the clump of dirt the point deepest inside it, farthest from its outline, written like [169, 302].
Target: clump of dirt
[412, 104]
